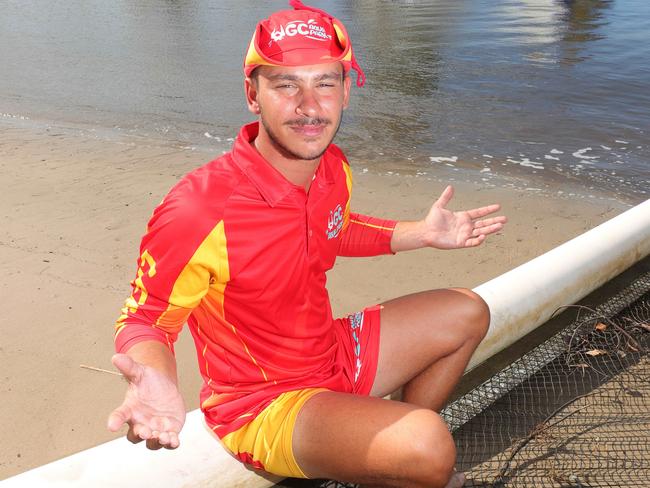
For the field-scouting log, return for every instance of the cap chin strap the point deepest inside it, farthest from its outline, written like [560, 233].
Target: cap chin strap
[361, 76]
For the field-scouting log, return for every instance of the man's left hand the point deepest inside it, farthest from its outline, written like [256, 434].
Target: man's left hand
[445, 229]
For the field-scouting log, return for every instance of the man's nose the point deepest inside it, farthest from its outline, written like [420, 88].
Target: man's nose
[308, 105]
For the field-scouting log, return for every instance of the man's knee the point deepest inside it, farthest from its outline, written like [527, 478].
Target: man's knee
[475, 313]
[430, 456]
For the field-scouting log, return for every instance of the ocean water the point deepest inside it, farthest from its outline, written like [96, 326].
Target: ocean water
[545, 93]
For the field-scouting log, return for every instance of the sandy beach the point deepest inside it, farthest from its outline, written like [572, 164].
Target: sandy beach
[74, 206]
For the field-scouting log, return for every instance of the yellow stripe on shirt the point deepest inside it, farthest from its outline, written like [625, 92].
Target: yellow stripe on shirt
[353, 221]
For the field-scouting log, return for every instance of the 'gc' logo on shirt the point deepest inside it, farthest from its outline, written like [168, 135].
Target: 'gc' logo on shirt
[335, 222]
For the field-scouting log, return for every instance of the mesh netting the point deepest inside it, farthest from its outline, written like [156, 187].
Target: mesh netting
[575, 411]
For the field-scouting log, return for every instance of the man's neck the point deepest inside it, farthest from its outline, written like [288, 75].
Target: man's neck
[297, 171]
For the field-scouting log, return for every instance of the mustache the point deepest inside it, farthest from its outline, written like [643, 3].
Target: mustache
[308, 121]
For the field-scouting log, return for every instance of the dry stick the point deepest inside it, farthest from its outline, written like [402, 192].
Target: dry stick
[539, 429]
[638, 323]
[632, 343]
[605, 319]
[594, 315]
[93, 368]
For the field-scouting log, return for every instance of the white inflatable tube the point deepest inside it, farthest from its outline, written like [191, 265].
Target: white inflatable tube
[526, 297]
[200, 461]
[520, 300]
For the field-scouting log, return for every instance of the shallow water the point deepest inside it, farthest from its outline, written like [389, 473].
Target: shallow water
[544, 90]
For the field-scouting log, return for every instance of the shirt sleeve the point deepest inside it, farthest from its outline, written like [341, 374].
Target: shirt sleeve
[366, 236]
[174, 272]
[362, 235]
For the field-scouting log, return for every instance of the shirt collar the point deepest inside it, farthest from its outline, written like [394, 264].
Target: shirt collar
[271, 184]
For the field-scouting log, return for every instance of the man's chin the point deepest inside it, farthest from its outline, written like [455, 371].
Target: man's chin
[310, 149]
[309, 156]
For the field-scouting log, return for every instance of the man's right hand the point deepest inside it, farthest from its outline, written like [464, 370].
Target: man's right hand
[153, 407]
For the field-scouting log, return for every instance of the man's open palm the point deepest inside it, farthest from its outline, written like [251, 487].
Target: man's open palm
[153, 407]
[446, 229]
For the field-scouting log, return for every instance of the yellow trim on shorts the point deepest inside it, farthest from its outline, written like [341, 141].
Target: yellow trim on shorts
[268, 438]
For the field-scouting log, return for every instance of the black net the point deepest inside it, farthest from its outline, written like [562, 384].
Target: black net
[573, 412]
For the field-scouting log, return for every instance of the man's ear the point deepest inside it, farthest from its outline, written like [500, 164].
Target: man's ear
[347, 83]
[250, 89]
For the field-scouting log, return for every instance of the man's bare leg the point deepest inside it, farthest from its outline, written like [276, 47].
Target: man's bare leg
[426, 342]
[373, 442]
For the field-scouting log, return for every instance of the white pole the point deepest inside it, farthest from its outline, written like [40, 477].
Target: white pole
[526, 297]
[519, 300]
[200, 461]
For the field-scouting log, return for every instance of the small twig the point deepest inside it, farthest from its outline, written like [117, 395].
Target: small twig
[539, 429]
[637, 323]
[632, 342]
[93, 368]
[603, 318]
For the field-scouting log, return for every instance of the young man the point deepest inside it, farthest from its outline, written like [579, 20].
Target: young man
[239, 249]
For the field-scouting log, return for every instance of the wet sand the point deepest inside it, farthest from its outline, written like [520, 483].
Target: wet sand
[74, 206]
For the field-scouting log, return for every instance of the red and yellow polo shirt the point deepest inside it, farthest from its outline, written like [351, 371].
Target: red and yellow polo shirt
[240, 254]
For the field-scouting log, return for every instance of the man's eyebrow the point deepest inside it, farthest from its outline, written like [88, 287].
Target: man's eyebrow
[289, 77]
[332, 75]
[283, 76]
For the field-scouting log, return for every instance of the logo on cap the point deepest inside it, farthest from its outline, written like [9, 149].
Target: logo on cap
[310, 30]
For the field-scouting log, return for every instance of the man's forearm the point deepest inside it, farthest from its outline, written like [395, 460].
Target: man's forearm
[156, 355]
[408, 236]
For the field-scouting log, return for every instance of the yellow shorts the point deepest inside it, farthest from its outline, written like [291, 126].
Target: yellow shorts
[266, 442]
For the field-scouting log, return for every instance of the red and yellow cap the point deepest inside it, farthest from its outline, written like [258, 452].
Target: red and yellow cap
[305, 35]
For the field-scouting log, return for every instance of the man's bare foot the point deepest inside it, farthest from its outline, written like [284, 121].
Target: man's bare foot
[457, 481]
